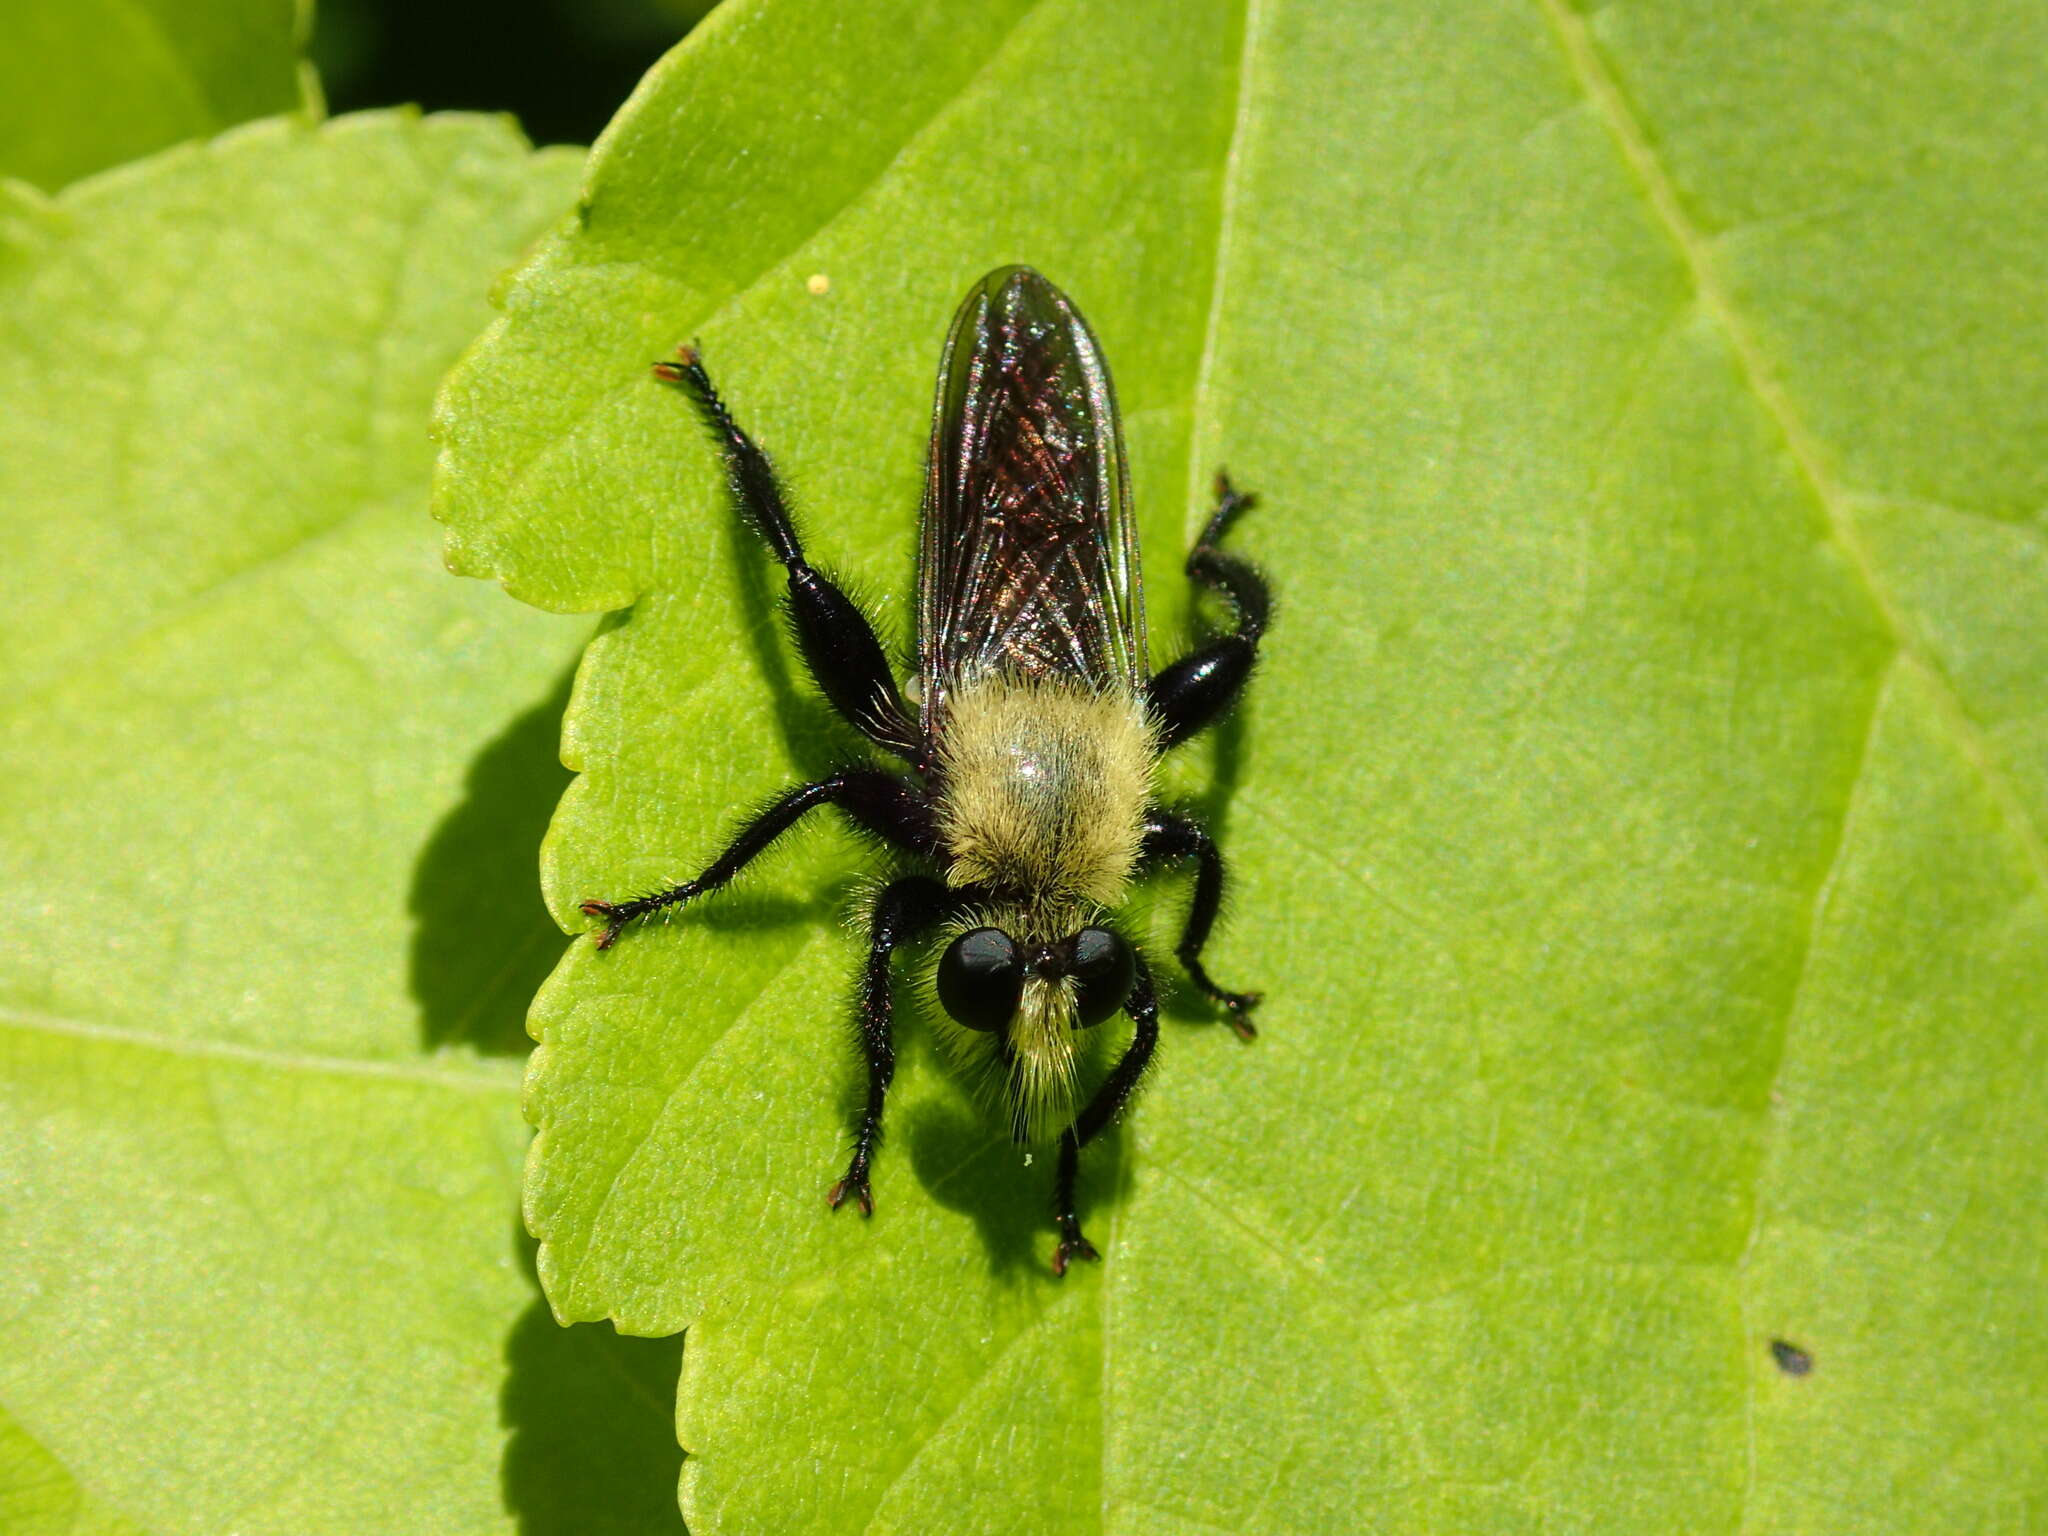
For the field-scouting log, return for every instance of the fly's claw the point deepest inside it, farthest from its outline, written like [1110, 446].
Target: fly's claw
[678, 372]
[1238, 1008]
[853, 1187]
[1230, 501]
[623, 912]
[1072, 1246]
[609, 934]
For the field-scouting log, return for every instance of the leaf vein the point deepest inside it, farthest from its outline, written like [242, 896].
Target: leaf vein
[486, 1079]
[1346, 1300]
[193, 605]
[959, 1403]
[377, 383]
[738, 1017]
[150, 31]
[62, 1476]
[1597, 80]
[1823, 897]
[2020, 527]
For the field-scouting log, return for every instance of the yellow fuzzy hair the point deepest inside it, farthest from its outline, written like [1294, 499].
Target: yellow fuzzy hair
[1045, 788]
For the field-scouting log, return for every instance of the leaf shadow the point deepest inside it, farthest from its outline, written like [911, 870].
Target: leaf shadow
[967, 1165]
[483, 941]
[959, 1159]
[1226, 743]
[591, 1414]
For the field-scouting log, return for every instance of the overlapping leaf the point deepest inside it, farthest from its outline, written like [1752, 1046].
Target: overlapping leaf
[271, 785]
[88, 84]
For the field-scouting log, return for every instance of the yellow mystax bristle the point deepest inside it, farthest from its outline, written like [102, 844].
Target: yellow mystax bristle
[1044, 1085]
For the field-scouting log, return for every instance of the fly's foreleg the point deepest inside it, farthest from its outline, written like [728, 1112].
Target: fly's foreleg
[905, 909]
[1109, 1100]
[1168, 836]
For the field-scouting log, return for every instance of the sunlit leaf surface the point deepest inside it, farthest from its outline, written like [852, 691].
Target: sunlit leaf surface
[1638, 827]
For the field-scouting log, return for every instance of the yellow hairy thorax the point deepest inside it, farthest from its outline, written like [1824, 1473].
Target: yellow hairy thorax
[1044, 789]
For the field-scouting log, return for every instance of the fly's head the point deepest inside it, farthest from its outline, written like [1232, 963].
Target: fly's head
[1028, 987]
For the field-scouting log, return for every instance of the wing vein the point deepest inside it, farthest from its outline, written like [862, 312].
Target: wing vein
[1028, 555]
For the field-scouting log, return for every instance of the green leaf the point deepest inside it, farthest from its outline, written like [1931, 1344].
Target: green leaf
[86, 84]
[272, 785]
[1637, 827]
[37, 1495]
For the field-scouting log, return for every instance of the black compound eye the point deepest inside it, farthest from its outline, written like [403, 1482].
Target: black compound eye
[981, 976]
[1104, 970]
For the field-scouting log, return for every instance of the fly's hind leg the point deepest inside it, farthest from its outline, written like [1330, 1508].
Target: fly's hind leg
[903, 910]
[836, 639]
[1194, 691]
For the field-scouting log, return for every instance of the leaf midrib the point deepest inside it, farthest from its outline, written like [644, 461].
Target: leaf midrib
[1603, 91]
[1201, 452]
[486, 1078]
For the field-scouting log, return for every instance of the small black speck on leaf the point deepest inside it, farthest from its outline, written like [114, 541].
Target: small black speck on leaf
[1792, 1360]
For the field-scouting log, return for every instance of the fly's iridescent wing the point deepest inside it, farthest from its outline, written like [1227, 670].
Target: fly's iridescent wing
[1028, 562]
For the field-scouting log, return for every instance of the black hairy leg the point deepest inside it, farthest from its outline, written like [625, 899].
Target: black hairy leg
[1199, 688]
[1168, 836]
[836, 639]
[903, 910]
[1109, 1100]
[878, 802]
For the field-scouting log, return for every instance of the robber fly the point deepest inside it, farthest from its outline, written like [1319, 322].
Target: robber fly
[1034, 737]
